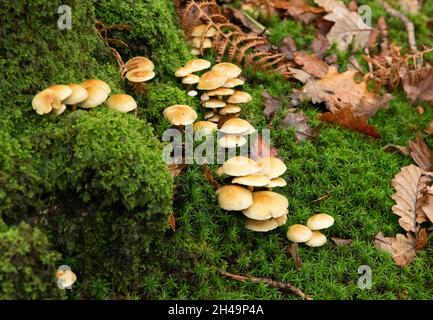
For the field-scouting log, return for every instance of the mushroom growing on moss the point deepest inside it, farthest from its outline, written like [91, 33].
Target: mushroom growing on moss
[46, 101]
[139, 70]
[240, 166]
[299, 233]
[234, 198]
[266, 205]
[121, 102]
[78, 95]
[180, 115]
[320, 221]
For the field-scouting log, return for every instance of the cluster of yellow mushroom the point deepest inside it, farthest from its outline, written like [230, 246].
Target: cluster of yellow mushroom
[218, 84]
[139, 69]
[310, 234]
[251, 191]
[202, 38]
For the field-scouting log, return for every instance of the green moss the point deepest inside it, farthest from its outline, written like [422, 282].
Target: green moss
[302, 34]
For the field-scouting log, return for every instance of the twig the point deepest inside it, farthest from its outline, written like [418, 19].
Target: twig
[409, 25]
[284, 286]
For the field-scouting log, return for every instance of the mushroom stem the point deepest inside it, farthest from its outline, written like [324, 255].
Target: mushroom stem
[251, 188]
[74, 107]
[269, 188]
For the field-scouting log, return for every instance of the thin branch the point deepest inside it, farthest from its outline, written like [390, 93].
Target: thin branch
[284, 286]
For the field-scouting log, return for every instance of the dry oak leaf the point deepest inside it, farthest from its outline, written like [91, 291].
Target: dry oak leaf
[271, 103]
[337, 90]
[421, 153]
[401, 248]
[299, 122]
[348, 120]
[418, 85]
[300, 75]
[261, 149]
[295, 7]
[348, 26]
[311, 63]
[410, 184]
[427, 204]
[342, 242]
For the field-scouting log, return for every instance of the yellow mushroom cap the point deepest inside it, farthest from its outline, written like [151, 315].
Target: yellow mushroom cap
[254, 180]
[318, 239]
[211, 80]
[121, 102]
[195, 52]
[199, 30]
[191, 79]
[79, 94]
[234, 198]
[139, 62]
[261, 225]
[62, 90]
[180, 114]
[272, 167]
[45, 101]
[97, 83]
[320, 221]
[276, 182]
[229, 109]
[204, 97]
[205, 125]
[140, 75]
[229, 69]
[65, 278]
[266, 205]
[215, 118]
[209, 114]
[214, 103]
[198, 43]
[240, 97]
[181, 72]
[96, 96]
[59, 111]
[231, 83]
[231, 141]
[282, 219]
[237, 126]
[221, 92]
[240, 166]
[195, 65]
[299, 233]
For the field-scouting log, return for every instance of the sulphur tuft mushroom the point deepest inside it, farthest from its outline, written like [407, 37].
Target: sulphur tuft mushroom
[229, 142]
[231, 83]
[202, 38]
[65, 278]
[206, 126]
[272, 167]
[139, 62]
[121, 102]
[180, 115]
[229, 69]
[211, 80]
[78, 95]
[97, 83]
[266, 205]
[239, 97]
[320, 221]
[139, 70]
[252, 180]
[299, 233]
[229, 109]
[62, 90]
[46, 101]
[96, 96]
[317, 239]
[261, 225]
[234, 198]
[237, 126]
[240, 166]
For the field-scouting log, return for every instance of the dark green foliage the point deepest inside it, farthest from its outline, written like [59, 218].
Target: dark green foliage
[27, 265]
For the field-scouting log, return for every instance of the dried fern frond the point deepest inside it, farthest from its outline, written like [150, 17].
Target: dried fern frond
[230, 41]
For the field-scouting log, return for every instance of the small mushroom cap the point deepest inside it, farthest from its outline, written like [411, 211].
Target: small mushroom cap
[59, 111]
[237, 126]
[96, 96]
[240, 97]
[214, 103]
[139, 62]
[318, 239]
[234, 198]
[209, 114]
[229, 109]
[180, 114]
[240, 166]
[229, 69]
[299, 233]
[140, 75]
[45, 101]
[192, 93]
[211, 80]
[282, 219]
[215, 118]
[254, 180]
[66, 278]
[198, 43]
[320, 221]
[195, 65]
[221, 92]
[199, 30]
[276, 182]
[204, 97]
[97, 83]
[121, 102]
[195, 52]
[231, 142]
[205, 125]
[272, 167]
[62, 90]
[267, 204]
[181, 72]
[231, 83]
[261, 225]
[191, 79]
[79, 94]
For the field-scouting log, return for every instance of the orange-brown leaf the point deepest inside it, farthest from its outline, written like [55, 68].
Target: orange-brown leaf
[421, 153]
[348, 120]
[172, 222]
[402, 248]
[311, 63]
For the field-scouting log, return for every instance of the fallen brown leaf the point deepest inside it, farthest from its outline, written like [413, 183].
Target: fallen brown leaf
[295, 7]
[421, 153]
[427, 204]
[418, 85]
[422, 239]
[261, 149]
[396, 148]
[271, 103]
[294, 253]
[288, 47]
[320, 45]
[342, 242]
[338, 90]
[401, 248]
[300, 75]
[311, 64]
[176, 169]
[299, 122]
[348, 120]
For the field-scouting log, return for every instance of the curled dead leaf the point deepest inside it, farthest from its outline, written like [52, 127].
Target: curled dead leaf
[299, 122]
[401, 248]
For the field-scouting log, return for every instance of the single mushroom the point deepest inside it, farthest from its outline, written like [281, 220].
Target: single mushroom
[229, 109]
[139, 62]
[252, 180]
[78, 95]
[211, 80]
[195, 65]
[137, 77]
[317, 239]
[220, 92]
[272, 167]
[276, 182]
[229, 142]
[240, 166]
[239, 97]
[204, 97]
[45, 101]
[237, 126]
[320, 221]
[299, 233]
[121, 102]
[234, 198]
[180, 115]
[62, 90]
[65, 278]
[215, 118]
[229, 69]
[261, 225]
[206, 126]
[97, 83]
[214, 104]
[209, 114]
[266, 205]
[231, 83]
[190, 79]
[203, 44]
[96, 96]
[199, 30]
[181, 72]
